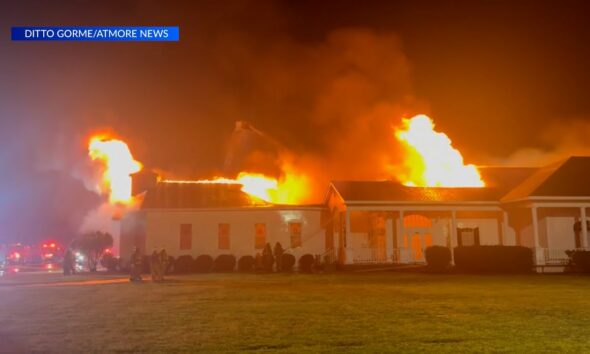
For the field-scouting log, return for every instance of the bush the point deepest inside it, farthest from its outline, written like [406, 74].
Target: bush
[438, 258]
[204, 263]
[287, 262]
[184, 264]
[224, 263]
[109, 262]
[259, 262]
[246, 264]
[579, 260]
[494, 259]
[306, 263]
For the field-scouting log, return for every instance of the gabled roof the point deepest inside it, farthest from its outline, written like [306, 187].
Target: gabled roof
[505, 178]
[389, 191]
[196, 195]
[567, 178]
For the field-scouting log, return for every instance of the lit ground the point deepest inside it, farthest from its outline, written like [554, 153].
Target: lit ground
[296, 313]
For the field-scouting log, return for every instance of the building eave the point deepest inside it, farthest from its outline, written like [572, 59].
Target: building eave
[409, 203]
[245, 208]
[541, 198]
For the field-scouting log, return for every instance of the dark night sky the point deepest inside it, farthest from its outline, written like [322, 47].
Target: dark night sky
[322, 77]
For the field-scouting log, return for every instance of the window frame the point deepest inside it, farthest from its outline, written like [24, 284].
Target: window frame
[295, 235]
[186, 237]
[475, 230]
[223, 238]
[259, 245]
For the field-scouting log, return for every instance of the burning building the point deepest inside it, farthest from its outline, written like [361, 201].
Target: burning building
[219, 218]
[363, 222]
[433, 198]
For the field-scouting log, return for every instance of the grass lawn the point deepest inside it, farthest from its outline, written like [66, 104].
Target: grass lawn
[378, 312]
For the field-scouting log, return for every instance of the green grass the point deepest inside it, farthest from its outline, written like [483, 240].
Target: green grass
[385, 312]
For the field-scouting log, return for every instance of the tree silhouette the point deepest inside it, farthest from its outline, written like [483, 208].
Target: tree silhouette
[93, 245]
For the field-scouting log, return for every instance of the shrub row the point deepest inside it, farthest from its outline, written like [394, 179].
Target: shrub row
[494, 259]
[579, 260]
[306, 263]
[227, 263]
[482, 259]
[438, 258]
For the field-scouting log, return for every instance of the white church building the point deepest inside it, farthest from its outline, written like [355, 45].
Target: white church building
[364, 222]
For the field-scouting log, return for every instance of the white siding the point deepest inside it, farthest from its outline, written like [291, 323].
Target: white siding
[489, 231]
[560, 232]
[554, 232]
[163, 230]
[440, 230]
[510, 237]
[526, 236]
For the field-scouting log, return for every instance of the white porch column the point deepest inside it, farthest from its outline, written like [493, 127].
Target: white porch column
[504, 227]
[402, 230]
[346, 239]
[535, 228]
[453, 234]
[401, 251]
[537, 250]
[583, 226]
[390, 239]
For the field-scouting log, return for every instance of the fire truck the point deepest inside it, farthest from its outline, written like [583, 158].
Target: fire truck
[44, 252]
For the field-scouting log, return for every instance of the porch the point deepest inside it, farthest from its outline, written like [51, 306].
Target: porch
[400, 236]
[551, 228]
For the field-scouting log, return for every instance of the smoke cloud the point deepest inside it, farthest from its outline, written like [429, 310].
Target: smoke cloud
[45, 185]
[560, 141]
[324, 109]
[332, 104]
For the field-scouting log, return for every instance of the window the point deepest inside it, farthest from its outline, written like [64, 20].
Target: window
[259, 236]
[295, 233]
[223, 237]
[186, 236]
[468, 236]
[417, 221]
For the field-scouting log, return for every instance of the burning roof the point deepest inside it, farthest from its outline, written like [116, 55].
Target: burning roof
[390, 191]
[562, 179]
[433, 171]
[198, 195]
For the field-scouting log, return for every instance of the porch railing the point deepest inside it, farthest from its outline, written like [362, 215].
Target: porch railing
[555, 256]
[559, 256]
[370, 255]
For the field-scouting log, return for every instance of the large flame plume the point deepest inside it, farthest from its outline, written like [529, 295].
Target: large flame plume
[431, 160]
[118, 164]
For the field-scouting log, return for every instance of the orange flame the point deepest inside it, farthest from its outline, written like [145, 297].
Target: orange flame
[289, 190]
[431, 159]
[118, 163]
